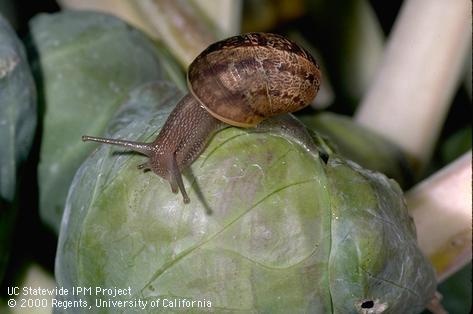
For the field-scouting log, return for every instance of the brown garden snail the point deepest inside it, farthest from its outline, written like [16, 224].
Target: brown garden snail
[238, 81]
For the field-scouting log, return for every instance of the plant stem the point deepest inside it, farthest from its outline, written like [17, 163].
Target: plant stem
[441, 208]
[420, 71]
[181, 25]
[226, 14]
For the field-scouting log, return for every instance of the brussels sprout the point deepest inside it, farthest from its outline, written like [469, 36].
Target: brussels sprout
[364, 147]
[17, 126]
[87, 63]
[271, 228]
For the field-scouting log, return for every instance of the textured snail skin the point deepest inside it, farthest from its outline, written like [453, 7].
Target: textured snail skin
[181, 140]
[240, 81]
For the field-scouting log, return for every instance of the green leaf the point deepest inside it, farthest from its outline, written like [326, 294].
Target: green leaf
[456, 291]
[17, 127]
[456, 145]
[361, 145]
[87, 64]
[270, 227]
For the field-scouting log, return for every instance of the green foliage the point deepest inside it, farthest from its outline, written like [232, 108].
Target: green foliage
[270, 228]
[456, 292]
[17, 127]
[456, 145]
[361, 145]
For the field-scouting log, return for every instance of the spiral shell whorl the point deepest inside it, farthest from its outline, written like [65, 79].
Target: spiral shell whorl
[246, 78]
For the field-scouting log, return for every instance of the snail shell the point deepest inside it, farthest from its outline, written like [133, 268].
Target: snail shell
[246, 78]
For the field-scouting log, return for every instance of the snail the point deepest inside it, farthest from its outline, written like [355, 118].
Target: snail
[238, 81]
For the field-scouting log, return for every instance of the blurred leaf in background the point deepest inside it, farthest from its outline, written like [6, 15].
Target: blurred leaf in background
[456, 292]
[265, 15]
[17, 128]
[7, 9]
[456, 145]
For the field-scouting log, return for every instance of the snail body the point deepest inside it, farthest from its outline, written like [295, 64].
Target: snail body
[237, 81]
